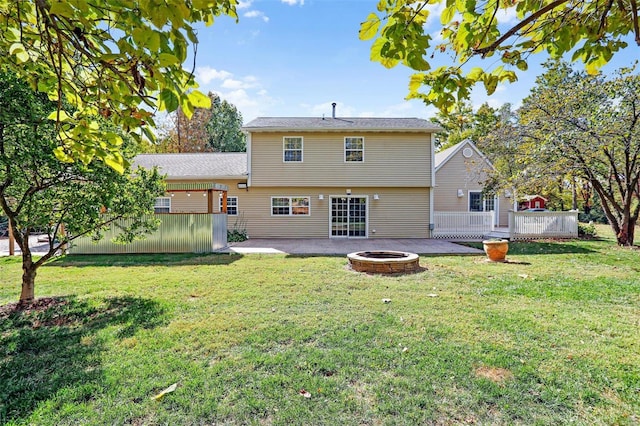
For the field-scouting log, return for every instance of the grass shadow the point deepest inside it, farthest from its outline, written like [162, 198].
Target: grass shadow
[542, 247]
[125, 260]
[52, 346]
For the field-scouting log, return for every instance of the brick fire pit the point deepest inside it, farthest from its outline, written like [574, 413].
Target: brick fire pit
[384, 262]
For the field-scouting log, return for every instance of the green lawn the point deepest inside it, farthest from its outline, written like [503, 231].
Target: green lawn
[550, 338]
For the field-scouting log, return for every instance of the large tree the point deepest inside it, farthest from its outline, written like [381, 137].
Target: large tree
[119, 59]
[464, 123]
[224, 127]
[217, 128]
[592, 30]
[63, 200]
[575, 125]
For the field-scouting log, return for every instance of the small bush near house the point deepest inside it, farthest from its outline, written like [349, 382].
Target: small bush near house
[239, 231]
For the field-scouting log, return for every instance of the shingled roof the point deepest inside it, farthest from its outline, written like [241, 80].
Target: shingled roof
[216, 165]
[310, 124]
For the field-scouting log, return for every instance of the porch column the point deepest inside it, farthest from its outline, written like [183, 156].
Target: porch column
[209, 201]
[224, 202]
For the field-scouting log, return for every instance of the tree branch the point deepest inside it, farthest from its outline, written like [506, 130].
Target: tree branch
[513, 30]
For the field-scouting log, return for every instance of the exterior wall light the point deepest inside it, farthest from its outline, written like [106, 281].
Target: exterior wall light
[460, 193]
[320, 197]
[376, 197]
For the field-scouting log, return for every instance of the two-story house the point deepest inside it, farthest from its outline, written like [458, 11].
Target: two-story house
[314, 178]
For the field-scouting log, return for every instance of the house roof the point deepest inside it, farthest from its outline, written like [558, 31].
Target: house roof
[531, 197]
[310, 124]
[441, 157]
[216, 165]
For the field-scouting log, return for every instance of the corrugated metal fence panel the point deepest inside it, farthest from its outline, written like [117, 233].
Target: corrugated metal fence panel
[219, 231]
[178, 233]
[462, 224]
[532, 225]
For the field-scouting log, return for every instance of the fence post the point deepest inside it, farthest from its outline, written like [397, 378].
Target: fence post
[512, 223]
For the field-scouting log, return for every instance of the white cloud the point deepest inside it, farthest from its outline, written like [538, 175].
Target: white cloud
[248, 82]
[207, 74]
[256, 14]
[244, 4]
[508, 16]
[293, 2]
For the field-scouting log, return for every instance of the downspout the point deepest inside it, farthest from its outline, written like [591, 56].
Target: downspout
[433, 184]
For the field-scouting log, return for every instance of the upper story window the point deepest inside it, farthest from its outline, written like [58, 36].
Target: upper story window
[290, 206]
[162, 205]
[292, 149]
[354, 149]
[232, 205]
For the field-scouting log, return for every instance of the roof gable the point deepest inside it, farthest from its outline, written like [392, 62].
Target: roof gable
[442, 157]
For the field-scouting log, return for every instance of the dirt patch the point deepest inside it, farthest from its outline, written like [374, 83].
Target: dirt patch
[495, 374]
[38, 305]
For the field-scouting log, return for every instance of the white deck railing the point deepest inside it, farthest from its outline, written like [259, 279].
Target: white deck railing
[462, 224]
[532, 225]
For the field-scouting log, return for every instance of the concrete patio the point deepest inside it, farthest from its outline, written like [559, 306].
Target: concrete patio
[312, 246]
[327, 246]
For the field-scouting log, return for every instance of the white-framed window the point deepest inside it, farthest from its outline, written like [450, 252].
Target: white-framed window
[290, 206]
[232, 205]
[162, 205]
[354, 149]
[292, 149]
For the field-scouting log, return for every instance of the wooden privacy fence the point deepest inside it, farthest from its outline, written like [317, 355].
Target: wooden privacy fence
[178, 233]
[532, 225]
[462, 224]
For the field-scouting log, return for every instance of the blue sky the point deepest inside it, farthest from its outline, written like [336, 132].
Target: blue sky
[296, 57]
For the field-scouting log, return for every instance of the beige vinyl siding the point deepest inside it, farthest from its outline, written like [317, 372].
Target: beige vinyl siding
[195, 203]
[399, 213]
[466, 174]
[390, 160]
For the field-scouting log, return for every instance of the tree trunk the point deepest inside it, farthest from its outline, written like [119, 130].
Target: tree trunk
[28, 282]
[627, 229]
[29, 268]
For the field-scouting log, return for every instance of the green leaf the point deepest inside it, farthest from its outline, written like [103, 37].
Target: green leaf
[475, 74]
[199, 99]
[415, 82]
[369, 28]
[61, 8]
[168, 100]
[116, 162]
[62, 117]
[522, 65]
[167, 60]
[19, 51]
[447, 14]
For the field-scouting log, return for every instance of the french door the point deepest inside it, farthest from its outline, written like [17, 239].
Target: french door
[477, 203]
[348, 217]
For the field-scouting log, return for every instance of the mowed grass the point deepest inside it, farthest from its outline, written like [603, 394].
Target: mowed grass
[550, 338]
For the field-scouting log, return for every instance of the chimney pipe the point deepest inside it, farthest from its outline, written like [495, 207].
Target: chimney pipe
[333, 114]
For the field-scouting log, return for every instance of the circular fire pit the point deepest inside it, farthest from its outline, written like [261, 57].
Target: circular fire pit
[384, 261]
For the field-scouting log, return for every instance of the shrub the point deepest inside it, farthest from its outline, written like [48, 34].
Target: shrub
[239, 231]
[586, 230]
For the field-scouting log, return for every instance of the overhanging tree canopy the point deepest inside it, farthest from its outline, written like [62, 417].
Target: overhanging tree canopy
[592, 30]
[118, 59]
[63, 200]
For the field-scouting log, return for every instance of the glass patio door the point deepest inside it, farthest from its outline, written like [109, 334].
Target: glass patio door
[349, 217]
